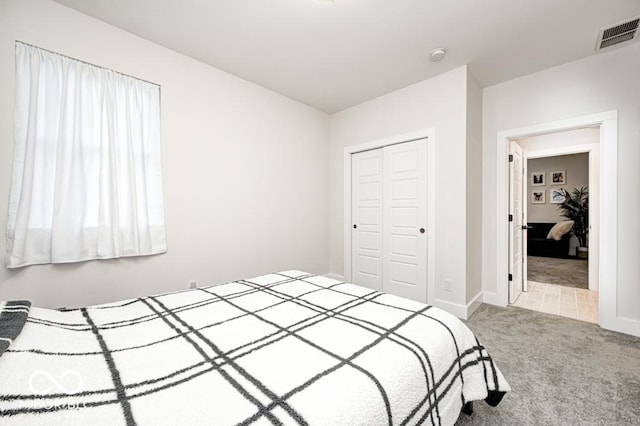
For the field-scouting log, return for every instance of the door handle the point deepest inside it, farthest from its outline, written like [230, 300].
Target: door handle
[355, 226]
[422, 231]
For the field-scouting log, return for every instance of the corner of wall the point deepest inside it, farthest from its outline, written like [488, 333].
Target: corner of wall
[463, 311]
[473, 186]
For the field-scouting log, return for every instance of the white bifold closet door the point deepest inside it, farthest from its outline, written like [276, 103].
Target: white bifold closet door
[389, 211]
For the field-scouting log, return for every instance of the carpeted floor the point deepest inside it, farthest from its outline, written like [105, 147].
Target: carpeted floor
[567, 272]
[561, 371]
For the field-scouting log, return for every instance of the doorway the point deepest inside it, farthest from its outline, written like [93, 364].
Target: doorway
[558, 279]
[608, 313]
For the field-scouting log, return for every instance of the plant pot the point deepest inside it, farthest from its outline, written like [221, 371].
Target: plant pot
[583, 252]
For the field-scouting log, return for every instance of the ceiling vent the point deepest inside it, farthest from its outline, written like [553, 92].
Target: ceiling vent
[619, 33]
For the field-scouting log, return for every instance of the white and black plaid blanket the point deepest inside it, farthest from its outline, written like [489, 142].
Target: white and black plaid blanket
[286, 348]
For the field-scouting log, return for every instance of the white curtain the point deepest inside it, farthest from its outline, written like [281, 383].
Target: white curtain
[87, 173]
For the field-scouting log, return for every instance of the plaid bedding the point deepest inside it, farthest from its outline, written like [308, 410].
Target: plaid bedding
[285, 348]
[13, 315]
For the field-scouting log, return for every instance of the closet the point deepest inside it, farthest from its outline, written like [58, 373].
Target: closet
[389, 219]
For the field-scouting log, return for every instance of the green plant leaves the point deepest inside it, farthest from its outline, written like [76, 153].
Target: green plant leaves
[576, 207]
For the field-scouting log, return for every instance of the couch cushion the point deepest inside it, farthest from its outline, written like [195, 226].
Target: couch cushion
[559, 229]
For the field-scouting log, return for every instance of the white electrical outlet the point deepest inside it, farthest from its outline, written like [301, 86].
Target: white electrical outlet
[193, 284]
[448, 285]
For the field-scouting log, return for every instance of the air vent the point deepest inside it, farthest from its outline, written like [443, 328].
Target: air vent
[618, 33]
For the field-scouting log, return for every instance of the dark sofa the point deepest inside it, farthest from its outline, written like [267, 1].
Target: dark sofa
[539, 245]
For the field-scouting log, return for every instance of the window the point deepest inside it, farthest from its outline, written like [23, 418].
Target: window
[87, 174]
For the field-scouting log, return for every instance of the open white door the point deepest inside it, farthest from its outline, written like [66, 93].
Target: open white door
[516, 178]
[525, 221]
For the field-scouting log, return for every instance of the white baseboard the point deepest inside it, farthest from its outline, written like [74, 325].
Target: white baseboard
[491, 299]
[453, 308]
[335, 276]
[474, 304]
[461, 311]
[622, 325]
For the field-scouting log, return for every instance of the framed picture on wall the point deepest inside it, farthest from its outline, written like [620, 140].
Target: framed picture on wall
[559, 177]
[537, 197]
[556, 196]
[537, 179]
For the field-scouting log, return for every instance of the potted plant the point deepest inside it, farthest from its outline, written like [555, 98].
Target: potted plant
[576, 207]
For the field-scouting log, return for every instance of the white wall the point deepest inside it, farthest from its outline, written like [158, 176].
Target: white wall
[603, 82]
[438, 103]
[245, 169]
[576, 168]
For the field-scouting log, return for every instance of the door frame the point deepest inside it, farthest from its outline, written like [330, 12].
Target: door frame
[429, 135]
[608, 122]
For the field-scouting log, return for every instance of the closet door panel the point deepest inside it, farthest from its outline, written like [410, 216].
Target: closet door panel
[404, 246]
[366, 208]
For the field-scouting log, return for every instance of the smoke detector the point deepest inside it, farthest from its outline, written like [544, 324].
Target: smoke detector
[618, 33]
[437, 54]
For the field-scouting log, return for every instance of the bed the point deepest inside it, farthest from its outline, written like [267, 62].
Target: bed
[283, 348]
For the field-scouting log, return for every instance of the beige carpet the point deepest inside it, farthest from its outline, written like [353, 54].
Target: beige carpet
[562, 371]
[567, 272]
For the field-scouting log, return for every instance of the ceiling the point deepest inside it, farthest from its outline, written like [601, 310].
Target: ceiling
[333, 55]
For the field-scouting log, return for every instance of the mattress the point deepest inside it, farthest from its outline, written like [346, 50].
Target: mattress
[284, 348]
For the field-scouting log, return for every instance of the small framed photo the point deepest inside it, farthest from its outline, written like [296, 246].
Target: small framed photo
[556, 196]
[559, 177]
[537, 179]
[537, 197]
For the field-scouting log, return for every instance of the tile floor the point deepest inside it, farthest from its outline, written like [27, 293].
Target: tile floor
[554, 299]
